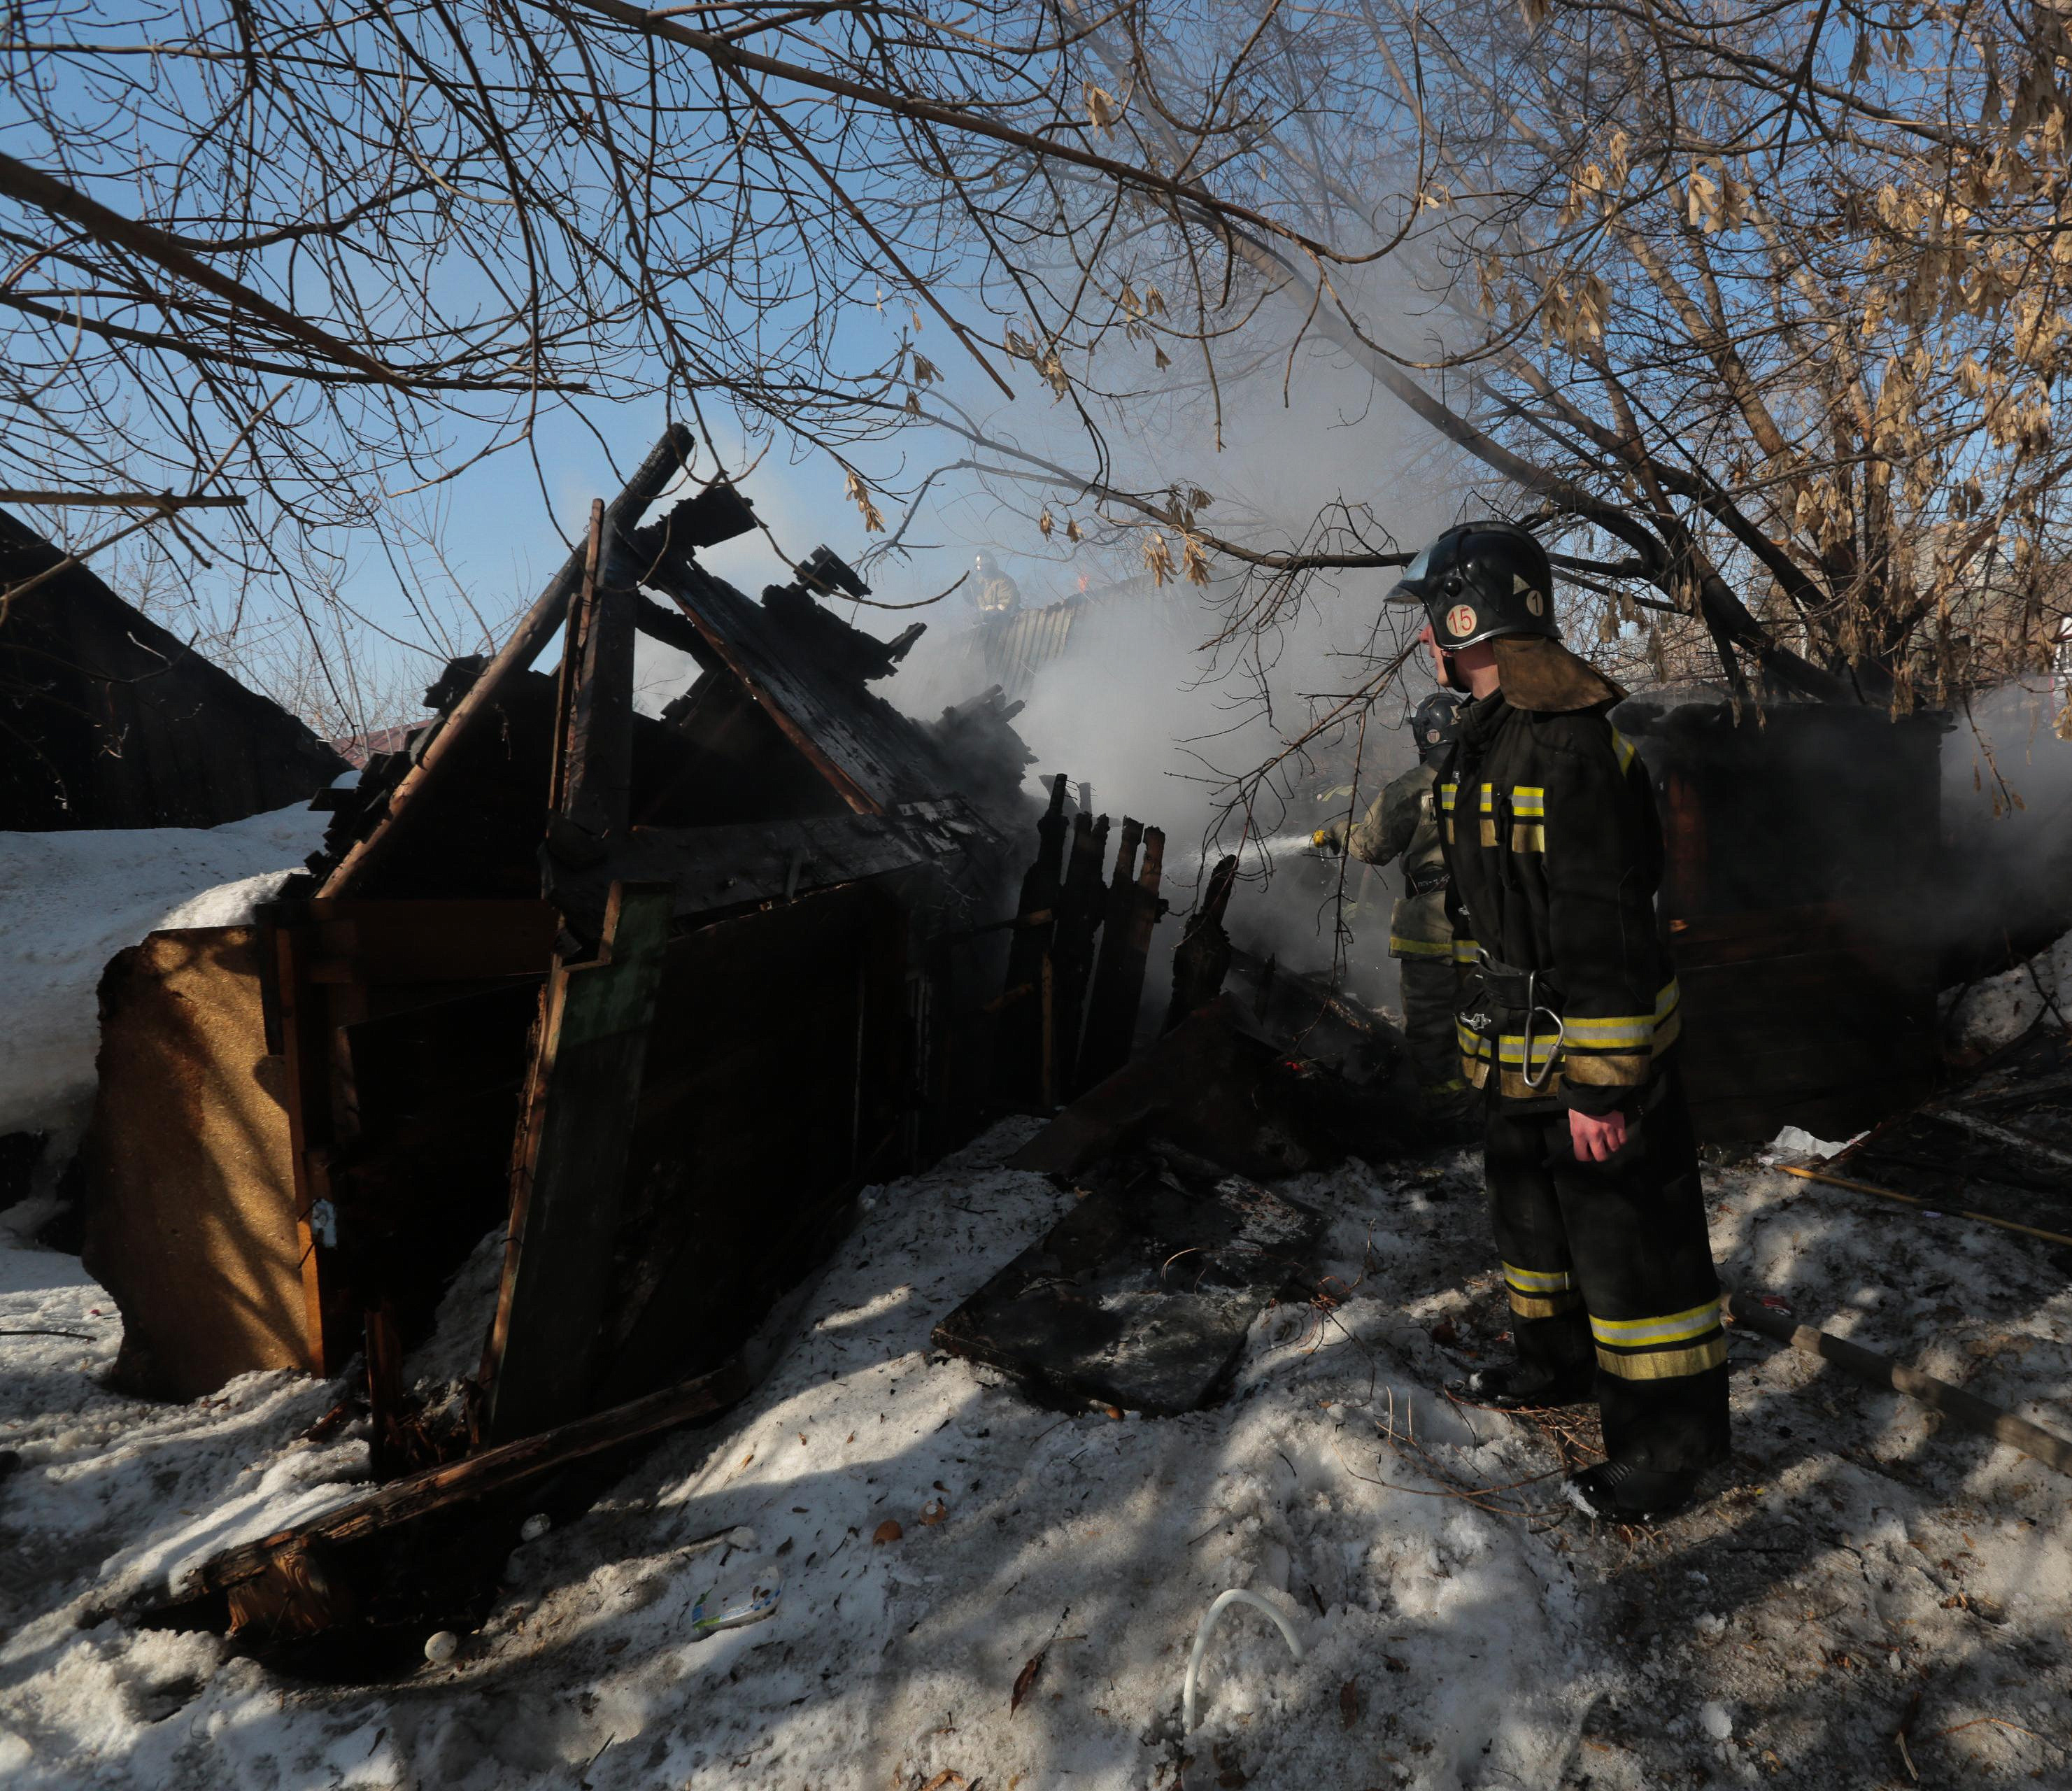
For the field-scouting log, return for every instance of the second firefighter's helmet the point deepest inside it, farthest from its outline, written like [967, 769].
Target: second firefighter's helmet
[1479, 580]
[1435, 723]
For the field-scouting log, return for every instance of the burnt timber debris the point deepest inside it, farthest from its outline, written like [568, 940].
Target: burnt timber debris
[1995, 1148]
[1075, 969]
[1140, 1297]
[109, 721]
[1203, 957]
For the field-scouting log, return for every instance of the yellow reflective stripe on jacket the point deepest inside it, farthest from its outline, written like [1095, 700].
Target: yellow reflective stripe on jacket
[1447, 792]
[1537, 1280]
[1511, 1046]
[1627, 751]
[1465, 950]
[1528, 817]
[1400, 947]
[1614, 1052]
[1672, 1327]
[1625, 1031]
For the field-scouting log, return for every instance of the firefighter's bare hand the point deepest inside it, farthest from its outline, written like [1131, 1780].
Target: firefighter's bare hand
[1595, 1140]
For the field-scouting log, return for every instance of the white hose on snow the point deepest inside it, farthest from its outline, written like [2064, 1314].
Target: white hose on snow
[1235, 1595]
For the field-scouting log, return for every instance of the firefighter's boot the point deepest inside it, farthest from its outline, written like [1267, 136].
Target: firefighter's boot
[1522, 1386]
[1617, 1491]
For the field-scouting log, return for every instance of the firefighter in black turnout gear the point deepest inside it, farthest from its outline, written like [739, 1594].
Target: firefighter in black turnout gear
[1567, 1024]
[1403, 823]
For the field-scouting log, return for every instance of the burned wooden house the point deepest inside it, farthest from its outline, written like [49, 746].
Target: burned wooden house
[1801, 867]
[108, 720]
[657, 994]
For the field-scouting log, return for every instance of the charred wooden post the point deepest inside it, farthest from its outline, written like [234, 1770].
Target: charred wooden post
[1079, 916]
[568, 1182]
[1019, 1045]
[385, 1392]
[573, 635]
[595, 751]
[513, 659]
[1203, 958]
[1134, 909]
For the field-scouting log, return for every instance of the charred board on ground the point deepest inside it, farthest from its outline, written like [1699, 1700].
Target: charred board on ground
[1141, 1296]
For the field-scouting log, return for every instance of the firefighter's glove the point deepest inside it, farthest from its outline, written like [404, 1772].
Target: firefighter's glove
[1329, 839]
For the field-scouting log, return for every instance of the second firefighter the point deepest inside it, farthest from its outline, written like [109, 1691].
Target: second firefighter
[1404, 823]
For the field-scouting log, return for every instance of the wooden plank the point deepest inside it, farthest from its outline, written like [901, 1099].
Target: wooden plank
[1924, 1201]
[1975, 1414]
[306, 1099]
[1684, 842]
[1019, 1047]
[573, 634]
[490, 1471]
[845, 785]
[1134, 907]
[516, 655]
[2006, 1136]
[596, 753]
[809, 676]
[1080, 910]
[1203, 958]
[567, 1182]
[739, 1095]
[431, 941]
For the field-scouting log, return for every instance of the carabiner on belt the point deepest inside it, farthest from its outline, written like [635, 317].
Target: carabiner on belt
[1532, 1006]
[1553, 1051]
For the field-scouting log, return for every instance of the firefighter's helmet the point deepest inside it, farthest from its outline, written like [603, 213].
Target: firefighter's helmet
[1436, 724]
[1479, 580]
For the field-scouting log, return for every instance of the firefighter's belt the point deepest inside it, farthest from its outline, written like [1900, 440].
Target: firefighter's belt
[1499, 999]
[1423, 881]
[1505, 986]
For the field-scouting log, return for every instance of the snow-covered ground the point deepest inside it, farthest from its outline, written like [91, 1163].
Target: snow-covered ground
[70, 901]
[1865, 1587]
[1981, 1016]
